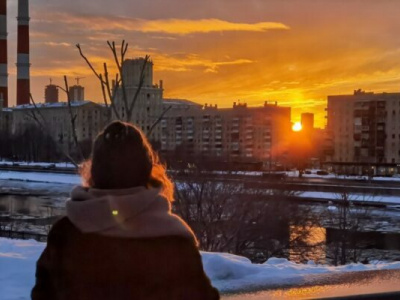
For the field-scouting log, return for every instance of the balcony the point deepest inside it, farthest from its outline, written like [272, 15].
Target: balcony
[365, 128]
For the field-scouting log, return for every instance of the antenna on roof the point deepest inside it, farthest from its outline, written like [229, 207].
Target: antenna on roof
[78, 78]
[51, 81]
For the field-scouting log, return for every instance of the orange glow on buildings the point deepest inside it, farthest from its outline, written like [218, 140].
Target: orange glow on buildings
[286, 52]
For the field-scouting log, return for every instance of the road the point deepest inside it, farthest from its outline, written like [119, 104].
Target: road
[340, 285]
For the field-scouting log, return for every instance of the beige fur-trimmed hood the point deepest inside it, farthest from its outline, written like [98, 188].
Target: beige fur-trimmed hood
[138, 212]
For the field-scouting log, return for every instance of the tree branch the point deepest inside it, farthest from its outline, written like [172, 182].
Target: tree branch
[73, 119]
[158, 120]
[44, 126]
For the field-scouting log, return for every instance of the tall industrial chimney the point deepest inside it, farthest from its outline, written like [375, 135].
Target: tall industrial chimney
[23, 65]
[3, 53]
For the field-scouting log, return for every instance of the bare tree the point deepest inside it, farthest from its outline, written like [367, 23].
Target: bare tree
[346, 217]
[72, 117]
[110, 92]
[41, 121]
[229, 217]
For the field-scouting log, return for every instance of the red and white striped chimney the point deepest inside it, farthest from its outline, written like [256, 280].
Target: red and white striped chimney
[3, 53]
[23, 65]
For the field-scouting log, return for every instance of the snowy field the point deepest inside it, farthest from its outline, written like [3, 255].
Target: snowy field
[228, 273]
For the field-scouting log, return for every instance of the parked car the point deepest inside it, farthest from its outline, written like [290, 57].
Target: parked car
[322, 172]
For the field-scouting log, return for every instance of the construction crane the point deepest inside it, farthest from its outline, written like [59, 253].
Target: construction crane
[78, 78]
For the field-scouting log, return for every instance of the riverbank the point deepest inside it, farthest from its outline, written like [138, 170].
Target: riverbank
[229, 273]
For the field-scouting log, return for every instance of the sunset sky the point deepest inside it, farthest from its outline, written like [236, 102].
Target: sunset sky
[219, 51]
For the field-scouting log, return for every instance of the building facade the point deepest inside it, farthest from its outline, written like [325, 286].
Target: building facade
[307, 121]
[237, 134]
[5, 120]
[149, 102]
[365, 132]
[90, 119]
[76, 93]
[51, 94]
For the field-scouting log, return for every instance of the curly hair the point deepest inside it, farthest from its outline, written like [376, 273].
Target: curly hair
[122, 158]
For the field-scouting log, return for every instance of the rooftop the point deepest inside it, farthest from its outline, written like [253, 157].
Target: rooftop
[180, 102]
[54, 105]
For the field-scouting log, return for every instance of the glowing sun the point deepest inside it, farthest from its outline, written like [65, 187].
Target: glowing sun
[297, 126]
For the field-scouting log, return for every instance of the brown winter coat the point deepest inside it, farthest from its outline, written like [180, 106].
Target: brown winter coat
[117, 252]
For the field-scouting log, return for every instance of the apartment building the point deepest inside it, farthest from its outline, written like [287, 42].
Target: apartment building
[240, 133]
[149, 102]
[90, 119]
[365, 132]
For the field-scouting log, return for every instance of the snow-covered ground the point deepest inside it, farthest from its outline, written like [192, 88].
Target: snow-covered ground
[38, 164]
[352, 197]
[344, 177]
[40, 177]
[228, 273]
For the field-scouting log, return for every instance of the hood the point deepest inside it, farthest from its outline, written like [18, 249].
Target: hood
[138, 212]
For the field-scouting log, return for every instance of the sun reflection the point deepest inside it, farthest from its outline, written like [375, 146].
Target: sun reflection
[297, 126]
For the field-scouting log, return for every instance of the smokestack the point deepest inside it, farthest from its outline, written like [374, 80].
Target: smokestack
[3, 53]
[23, 65]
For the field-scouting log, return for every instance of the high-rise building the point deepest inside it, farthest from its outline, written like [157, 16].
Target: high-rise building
[365, 131]
[76, 93]
[149, 104]
[132, 69]
[307, 121]
[51, 93]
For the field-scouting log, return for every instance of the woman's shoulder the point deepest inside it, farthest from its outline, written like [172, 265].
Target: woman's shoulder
[60, 229]
[61, 224]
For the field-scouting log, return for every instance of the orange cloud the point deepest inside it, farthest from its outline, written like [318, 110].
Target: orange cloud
[179, 26]
[168, 26]
[55, 44]
[192, 61]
